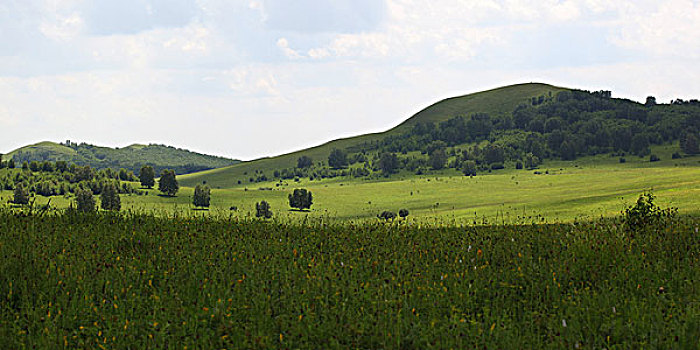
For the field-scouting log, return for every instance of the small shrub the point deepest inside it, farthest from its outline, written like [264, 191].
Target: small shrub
[496, 166]
[654, 158]
[518, 165]
[623, 160]
[403, 213]
[645, 213]
[676, 155]
[387, 215]
[262, 210]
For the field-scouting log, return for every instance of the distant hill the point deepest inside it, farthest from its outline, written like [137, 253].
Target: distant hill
[132, 157]
[500, 101]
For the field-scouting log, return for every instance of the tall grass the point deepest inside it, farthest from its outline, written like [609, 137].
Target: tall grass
[139, 281]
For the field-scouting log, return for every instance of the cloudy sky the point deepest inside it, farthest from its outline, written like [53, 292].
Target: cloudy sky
[252, 78]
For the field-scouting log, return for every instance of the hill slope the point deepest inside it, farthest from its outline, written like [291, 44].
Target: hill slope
[495, 102]
[131, 157]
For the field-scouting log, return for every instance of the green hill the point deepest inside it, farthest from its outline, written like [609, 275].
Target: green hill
[131, 157]
[495, 102]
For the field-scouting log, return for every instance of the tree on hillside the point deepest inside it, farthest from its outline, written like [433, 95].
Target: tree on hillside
[202, 196]
[85, 201]
[84, 173]
[689, 144]
[300, 199]
[11, 163]
[168, 183]
[640, 145]
[262, 210]
[110, 197]
[147, 176]
[651, 101]
[21, 195]
[337, 159]
[388, 163]
[304, 162]
[438, 158]
[469, 168]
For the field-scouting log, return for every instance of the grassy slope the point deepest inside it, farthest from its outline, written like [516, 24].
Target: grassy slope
[497, 101]
[131, 157]
[587, 188]
[53, 148]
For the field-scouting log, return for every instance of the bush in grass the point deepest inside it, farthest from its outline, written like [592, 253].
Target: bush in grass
[645, 213]
[654, 158]
[85, 201]
[21, 195]
[109, 198]
[300, 199]
[403, 213]
[387, 215]
[262, 210]
[202, 196]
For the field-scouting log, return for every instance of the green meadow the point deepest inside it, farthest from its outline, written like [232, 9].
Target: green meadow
[559, 191]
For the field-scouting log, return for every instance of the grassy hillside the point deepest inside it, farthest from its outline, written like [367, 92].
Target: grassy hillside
[498, 101]
[587, 188]
[131, 157]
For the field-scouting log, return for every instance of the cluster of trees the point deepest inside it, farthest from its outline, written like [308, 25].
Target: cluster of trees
[59, 178]
[160, 157]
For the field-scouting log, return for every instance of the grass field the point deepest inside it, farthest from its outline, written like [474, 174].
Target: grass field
[564, 191]
[139, 281]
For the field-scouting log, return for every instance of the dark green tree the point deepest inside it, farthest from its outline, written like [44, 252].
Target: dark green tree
[640, 145]
[21, 195]
[567, 150]
[11, 163]
[263, 210]
[389, 163]
[469, 168]
[304, 162]
[337, 159]
[438, 158]
[84, 173]
[85, 201]
[25, 165]
[689, 144]
[109, 197]
[147, 176]
[300, 199]
[531, 161]
[168, 183]
[651, 101]
[34, 166]
[403, 213]
[202, 196]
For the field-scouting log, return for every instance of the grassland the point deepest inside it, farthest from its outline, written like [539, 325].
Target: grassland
[585, 189]
[495, 102]
[139, 281]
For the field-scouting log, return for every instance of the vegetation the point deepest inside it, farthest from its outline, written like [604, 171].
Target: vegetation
[202, 196]
[263, 210]
[125, 281]
[495, 129]
[110, 198]
[21, 196]
[85, 201]
[167, 183]
[301, 199]
[131, 158]
[147, 176]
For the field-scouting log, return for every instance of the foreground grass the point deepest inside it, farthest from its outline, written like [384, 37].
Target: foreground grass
[138, 281]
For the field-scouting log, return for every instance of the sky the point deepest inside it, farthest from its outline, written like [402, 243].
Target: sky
[254, 78]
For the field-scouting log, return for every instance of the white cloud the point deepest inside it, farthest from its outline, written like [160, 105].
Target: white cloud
[252, 72]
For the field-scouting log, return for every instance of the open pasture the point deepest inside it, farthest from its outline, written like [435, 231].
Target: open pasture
[139, 281]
